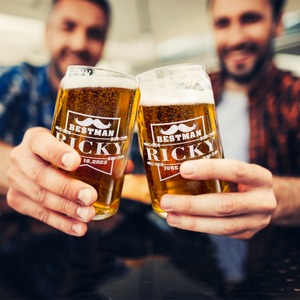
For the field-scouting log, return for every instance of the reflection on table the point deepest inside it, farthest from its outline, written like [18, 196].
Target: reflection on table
[136, 255]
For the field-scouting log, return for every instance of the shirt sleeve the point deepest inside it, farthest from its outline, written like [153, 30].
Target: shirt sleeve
[13, 83]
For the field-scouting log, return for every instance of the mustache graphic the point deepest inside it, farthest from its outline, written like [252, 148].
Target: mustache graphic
[181, 127]
[89, 121]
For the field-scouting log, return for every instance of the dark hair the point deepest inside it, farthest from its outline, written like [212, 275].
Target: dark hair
[103, 4]
[277, 7]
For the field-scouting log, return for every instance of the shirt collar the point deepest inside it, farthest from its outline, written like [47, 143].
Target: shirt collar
[217, 80]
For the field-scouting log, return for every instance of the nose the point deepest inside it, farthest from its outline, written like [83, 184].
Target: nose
[236, 35]
[78, 41]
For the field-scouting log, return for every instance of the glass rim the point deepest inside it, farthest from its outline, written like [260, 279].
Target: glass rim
[138, 76]
[102, 69]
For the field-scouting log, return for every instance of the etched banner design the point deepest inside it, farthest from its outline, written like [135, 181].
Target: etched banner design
[95, 138]
[176, 142]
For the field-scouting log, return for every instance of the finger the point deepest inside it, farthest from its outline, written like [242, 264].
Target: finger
[24, 205]
[239, 227]
[41, 142]
[49, 178]
[220, 204]
[52, 201]
[226, 169]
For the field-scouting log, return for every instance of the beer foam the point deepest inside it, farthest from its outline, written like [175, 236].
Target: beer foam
[76, 82]
[156, 97]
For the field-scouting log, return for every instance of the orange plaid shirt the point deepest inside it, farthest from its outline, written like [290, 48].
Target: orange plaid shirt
[274, 107]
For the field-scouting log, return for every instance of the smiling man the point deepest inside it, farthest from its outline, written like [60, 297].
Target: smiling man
[258, 109]
[75, 35]
[244, 32]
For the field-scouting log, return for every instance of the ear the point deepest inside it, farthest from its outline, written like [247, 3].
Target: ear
[279, 26]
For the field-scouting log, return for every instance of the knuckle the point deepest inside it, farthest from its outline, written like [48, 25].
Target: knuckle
[39, 195]
[65, 187]
[10, 177]
[265, 222]
[230, 227]
[52, 153]
[271, 206]
[30, 135]
[225, 205]
[14, 155]
[39, 172]
[269, 203]
[64, 208]
[188, 205]
[239, 170]
[212, 168]
[11, 198]
[269, 178]
[191, 224]
[43, 215]
[246, 235]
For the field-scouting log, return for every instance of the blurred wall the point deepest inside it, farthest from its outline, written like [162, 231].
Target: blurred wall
[144, 34]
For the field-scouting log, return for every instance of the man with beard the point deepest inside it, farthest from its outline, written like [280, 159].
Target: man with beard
[75, 35]
[258, 108]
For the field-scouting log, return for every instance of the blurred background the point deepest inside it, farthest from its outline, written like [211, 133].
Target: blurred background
[144, 34]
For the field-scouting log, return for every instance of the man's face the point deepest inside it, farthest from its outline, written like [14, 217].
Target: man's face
[244, 30]
[75, 34]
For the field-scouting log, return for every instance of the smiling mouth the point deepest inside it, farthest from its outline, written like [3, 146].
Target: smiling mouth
[240, 53]
[239, 56]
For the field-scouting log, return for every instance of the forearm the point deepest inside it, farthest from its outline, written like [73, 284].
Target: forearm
[287, 193]
[5, 150]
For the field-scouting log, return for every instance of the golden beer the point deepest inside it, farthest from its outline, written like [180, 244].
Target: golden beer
[98, 122]
[176, 126]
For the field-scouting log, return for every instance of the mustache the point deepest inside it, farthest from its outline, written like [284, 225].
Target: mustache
[181, 127]
[246, 46]
[89, 121]
[81, 55]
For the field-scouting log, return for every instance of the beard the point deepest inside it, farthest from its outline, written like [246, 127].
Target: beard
[247, 76]
[58, 72]
[84, 57]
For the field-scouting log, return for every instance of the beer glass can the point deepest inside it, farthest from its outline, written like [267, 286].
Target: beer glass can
[177, 122]
[95, 114]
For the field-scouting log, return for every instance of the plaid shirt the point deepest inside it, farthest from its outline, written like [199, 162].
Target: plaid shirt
[27, 99]
[274, 105]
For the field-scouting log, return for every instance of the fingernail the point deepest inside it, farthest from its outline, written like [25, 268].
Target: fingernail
[68, 159]
[188, 168]
[77, 229]
[83, 212]
[167, 203]
[85, 196]
[174, 219]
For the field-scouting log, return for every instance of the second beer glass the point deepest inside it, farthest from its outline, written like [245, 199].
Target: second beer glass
[177, 122]
[95, 114]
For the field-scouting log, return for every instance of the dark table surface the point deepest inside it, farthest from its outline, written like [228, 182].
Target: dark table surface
[136, 255]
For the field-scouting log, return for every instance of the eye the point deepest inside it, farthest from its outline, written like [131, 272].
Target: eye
[222, 23]
[68, 26]
[251, 18]
[96, 34]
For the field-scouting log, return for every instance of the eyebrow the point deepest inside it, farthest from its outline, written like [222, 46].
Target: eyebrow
[247, 15]
[251, 14]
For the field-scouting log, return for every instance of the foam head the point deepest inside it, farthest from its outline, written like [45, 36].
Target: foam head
[175, 84]
[153, 95]
[88, 77]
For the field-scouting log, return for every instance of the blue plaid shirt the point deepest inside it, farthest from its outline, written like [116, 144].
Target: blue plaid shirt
[27, 99]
